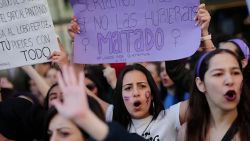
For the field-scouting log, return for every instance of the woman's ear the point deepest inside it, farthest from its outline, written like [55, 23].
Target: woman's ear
[200, 84]
[244, 63]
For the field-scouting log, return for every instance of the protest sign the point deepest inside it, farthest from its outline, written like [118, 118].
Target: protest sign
[135, 30]
[27, 33]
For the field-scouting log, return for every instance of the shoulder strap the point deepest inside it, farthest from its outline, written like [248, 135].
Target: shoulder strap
[231, 132]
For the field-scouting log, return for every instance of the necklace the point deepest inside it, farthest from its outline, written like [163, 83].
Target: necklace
[143, 133]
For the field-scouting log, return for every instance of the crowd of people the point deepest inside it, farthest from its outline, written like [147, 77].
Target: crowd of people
[204, 99]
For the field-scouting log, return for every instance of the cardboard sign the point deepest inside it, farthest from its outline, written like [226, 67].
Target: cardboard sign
[135, 30]
[27, 33]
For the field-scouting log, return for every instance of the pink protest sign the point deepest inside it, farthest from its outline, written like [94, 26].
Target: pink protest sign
[135, 30]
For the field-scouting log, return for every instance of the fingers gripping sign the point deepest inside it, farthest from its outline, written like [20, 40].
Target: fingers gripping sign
[203, 17]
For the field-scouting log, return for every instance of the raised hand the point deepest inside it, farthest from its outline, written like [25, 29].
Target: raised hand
[203, 18]
[74, 104]
[110, 75]
[42, 85]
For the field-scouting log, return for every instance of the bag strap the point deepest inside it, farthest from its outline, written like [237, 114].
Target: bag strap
[231, 132]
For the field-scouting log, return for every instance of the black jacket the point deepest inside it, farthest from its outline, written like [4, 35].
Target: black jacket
[21, 120]
[118, 133]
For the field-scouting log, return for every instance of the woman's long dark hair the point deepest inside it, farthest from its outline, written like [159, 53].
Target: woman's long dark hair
[95, 74]
[121, 114]
[46, 100]
[199, 116]
[93, 105]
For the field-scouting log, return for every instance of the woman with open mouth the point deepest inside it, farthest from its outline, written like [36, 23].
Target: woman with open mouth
[138, 108]
[219, 102]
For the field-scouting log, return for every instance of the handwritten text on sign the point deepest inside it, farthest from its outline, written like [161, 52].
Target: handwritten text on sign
[26, 33]
[135, 30]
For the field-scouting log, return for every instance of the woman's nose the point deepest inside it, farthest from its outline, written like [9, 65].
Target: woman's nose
[135, 92]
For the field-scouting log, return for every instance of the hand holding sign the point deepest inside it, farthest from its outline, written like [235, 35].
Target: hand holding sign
[203, 18]
[135, 31]
[73, 28]
[60, 57]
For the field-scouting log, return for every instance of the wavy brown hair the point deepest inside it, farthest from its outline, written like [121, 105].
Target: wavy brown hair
[199, 116]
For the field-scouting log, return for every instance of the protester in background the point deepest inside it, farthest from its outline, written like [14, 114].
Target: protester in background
[53, 93]
[61, 128]
[97, 82]
[154, 69]
[51, 77]
[240, 47]
[173, 94]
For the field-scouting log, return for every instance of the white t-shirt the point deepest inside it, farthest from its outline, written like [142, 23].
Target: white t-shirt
[163, 128]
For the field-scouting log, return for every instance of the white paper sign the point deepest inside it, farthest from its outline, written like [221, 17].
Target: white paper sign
[27, 33]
